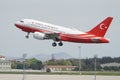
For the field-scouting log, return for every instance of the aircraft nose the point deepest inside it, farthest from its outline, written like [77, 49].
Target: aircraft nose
[17, 24]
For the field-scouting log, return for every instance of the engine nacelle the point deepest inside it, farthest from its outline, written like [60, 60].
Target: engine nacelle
[38, 35]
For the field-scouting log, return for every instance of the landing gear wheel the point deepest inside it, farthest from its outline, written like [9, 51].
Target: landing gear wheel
[60, 43]
[54, 44]
[27, 35]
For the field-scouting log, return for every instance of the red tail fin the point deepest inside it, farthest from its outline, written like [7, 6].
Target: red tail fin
[101, 28]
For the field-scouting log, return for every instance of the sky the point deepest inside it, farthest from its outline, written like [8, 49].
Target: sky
[80, 14]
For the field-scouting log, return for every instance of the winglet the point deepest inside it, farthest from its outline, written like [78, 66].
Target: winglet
[101, 28]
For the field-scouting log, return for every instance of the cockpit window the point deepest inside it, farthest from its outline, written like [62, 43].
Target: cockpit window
[22, 21]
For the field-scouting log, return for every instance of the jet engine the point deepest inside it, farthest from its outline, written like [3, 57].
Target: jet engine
[39, 35]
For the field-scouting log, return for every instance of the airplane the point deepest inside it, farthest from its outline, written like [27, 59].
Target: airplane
[46, 31]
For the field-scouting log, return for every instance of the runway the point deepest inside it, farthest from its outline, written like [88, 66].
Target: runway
[55, 77]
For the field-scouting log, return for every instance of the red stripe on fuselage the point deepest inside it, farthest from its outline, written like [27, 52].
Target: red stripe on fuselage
[30, 29]
[82, 38]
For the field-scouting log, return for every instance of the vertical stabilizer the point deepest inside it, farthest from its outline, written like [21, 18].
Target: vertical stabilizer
[101, 28]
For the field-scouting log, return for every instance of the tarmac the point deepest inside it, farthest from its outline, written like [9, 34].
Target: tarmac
[55, 77]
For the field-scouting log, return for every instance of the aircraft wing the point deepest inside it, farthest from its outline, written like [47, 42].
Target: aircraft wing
[54, 36]
[46, 35]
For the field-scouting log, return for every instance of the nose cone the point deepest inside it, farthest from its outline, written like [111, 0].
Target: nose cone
[17, 24]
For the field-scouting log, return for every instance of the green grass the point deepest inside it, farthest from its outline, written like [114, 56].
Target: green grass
[67, 73]
[102, 73]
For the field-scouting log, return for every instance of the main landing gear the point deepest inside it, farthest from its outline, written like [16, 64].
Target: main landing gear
[55, 44]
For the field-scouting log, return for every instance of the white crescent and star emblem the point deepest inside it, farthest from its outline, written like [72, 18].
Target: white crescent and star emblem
[102, 26]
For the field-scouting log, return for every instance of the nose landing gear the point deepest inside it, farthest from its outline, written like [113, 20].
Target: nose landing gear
[27, 36]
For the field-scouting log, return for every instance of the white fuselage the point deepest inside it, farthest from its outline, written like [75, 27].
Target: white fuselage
[50, 27]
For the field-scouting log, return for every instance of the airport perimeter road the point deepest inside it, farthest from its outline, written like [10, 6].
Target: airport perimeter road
[55, 77]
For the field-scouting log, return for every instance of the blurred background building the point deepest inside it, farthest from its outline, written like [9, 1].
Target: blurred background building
[5, 65]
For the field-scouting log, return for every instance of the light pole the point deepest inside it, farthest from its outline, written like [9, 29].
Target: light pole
[79, 47]
[95, 57]
[24, 56]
